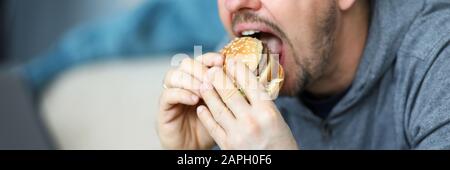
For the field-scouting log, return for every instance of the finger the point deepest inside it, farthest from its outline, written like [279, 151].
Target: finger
[198, 67]
[210, 59]
[220, 112]
[228, 92]
[179, 79]
[214, 129]
[248, 82]
[175, 96]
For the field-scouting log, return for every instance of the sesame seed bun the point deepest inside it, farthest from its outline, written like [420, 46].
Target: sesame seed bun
[255, 54]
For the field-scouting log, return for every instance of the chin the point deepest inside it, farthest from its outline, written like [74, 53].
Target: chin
[290, 88]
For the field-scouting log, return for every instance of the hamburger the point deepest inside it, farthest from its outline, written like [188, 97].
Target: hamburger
[258, 58]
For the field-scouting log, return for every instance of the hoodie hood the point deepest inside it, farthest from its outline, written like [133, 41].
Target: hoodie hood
[390, 21]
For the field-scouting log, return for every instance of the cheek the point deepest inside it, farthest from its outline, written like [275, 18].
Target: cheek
[291, 70]
[225, 16]
[298, 20]
[299, 27]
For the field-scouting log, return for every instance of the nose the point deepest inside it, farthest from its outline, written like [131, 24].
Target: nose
[236, 5]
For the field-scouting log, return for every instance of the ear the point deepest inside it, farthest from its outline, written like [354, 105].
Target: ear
[345, 4]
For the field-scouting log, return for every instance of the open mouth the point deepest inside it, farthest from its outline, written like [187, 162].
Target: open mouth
[272, 41]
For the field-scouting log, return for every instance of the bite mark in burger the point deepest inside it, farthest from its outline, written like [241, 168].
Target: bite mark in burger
[258, 58]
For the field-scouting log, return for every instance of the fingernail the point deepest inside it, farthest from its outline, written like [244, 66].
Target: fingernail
[231, 61]
[205, 79]
[194, 98]
[205, 87]
[218, 60]
[200, 109]
[232, 64]
[211, 72]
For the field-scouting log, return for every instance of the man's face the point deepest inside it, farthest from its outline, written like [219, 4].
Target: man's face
[301, 31]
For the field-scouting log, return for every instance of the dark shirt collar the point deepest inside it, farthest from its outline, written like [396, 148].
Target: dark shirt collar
[321, 107]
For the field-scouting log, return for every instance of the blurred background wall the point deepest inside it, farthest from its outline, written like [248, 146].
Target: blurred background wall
[2, 32]
[109, 104]
[34, 26]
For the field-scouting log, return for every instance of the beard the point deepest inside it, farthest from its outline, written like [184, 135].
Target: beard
[312, 68]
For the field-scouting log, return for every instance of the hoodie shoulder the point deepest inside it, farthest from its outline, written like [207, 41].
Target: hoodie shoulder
[429, 33]
[422, 65]
[428, 125]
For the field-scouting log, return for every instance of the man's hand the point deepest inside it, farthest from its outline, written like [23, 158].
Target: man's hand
[178, 125]
[235, 122]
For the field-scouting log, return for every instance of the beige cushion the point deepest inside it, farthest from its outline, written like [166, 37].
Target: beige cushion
[108, 105]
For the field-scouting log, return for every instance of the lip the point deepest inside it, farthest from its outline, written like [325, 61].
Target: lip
[241, 27]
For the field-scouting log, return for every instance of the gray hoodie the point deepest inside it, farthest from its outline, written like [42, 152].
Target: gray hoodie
[400, 97]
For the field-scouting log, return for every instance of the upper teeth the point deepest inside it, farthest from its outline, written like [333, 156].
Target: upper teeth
[249, 32]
